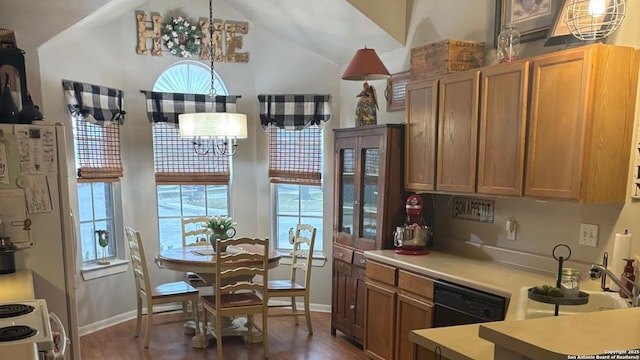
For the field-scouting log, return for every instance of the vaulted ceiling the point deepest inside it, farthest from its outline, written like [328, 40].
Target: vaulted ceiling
[333, 29]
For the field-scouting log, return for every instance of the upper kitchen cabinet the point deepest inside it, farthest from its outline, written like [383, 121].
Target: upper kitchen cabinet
[368, 177]
[421, 135]
[458, 132]
[581, 120]
[503, 121]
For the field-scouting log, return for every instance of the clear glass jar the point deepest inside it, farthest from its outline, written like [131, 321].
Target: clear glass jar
[570, 282]
[508, 48]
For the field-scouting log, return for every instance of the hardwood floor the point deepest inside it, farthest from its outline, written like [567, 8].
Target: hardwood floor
[286, 341]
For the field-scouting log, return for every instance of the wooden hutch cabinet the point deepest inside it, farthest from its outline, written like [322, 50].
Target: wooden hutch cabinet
[369, 203]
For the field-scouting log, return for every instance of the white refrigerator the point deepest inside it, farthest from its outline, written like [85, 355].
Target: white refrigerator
[36, 213]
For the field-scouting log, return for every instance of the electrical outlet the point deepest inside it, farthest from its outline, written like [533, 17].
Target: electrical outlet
[511, 227]
[588, 235]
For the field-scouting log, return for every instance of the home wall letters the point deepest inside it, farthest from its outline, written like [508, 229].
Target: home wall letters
[227, 38]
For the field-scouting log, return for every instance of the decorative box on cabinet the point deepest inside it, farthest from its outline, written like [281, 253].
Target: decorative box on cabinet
[369, 201]
[581, 120]
[398, 301]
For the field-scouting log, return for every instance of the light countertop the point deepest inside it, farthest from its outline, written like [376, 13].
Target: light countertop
[557, 337]
[17, 286]
[463, 342]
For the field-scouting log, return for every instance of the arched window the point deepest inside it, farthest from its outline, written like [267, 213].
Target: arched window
[189, 77]
[180, 196]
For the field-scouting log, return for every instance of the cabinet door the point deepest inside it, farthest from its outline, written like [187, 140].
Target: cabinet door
[421, 135]
[342, 314]
[412, 314]
[346, 202]
[381, 305]
[458, 132]
[558, 110]
[368, 217]
[358, 305]
[503, 128]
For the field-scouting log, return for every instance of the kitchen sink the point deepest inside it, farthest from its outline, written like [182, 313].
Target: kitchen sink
[598, 301]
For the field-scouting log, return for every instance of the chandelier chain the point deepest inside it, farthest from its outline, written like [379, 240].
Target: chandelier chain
[213, 89]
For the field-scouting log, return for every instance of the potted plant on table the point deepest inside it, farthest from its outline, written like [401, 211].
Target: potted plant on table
[222, 227]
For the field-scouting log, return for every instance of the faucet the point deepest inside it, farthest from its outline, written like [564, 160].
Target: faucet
[597, 271]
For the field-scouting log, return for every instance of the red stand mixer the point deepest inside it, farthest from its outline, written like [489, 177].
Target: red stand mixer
[415, 237]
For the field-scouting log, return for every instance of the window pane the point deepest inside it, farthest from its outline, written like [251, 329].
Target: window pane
[168, 200]
[85, 202]
[288, 199]
[311, 200]
[369, 217]
[316, 222]
[217, 199]
[284, 224]
[87, 241]
[170, 233]
[193, 200]
[178, 201]
[101, 199]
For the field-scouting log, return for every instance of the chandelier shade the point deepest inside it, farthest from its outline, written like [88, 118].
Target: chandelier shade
[213, 125]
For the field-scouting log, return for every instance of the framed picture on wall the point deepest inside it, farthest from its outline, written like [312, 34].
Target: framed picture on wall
[532, 18]
[559, 34]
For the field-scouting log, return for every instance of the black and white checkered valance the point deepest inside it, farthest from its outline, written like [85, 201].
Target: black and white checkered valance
[294, 112]
[94, 103]
[165, 107]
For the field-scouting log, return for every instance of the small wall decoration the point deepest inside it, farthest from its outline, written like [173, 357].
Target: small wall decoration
[532, 18]
[185, 39]
[473, 209]
[144, 33]
[181, 37]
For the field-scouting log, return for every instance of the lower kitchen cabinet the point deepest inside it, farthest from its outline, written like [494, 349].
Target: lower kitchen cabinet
[348, 293]
[397, 301]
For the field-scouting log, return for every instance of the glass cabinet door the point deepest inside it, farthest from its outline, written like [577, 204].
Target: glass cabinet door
[347, 191]
[369, 199]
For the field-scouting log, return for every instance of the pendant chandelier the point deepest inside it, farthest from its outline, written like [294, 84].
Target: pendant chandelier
[213, 133]
[592, 20]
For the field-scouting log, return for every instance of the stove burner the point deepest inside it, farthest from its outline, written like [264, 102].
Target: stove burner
[19, 332]
[11, 310]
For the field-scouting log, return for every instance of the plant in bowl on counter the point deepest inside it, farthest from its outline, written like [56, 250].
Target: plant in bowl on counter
[547, 290]
[222, 227]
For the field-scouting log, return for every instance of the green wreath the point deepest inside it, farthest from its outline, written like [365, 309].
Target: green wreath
[181, 38]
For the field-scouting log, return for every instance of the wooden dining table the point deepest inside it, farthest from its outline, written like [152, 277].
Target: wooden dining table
[202, 260]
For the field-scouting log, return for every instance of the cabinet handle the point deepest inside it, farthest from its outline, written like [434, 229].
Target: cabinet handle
[362, 261]
[351, 307]
[356, 202]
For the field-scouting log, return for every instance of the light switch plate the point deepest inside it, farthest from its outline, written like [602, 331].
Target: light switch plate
[588, 235]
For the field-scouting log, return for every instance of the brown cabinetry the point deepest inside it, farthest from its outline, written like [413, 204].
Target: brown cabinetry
[369, 201]
[581, 121]
[503, 122]
[458, 132]
[421, 135]
[572, 110]
[398, 301]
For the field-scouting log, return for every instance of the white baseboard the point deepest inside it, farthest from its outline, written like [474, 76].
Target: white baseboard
[115, 320]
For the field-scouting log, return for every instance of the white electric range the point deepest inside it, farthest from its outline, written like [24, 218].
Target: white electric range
[29, 322]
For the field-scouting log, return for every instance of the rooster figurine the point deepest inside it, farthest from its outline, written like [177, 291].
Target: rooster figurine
[366, 110]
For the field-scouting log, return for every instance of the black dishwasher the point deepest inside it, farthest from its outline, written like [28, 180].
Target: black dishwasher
[459, 305]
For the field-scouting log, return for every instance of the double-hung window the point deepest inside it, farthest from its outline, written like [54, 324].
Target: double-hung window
[97, 117]
[294, 124]
[190, 181]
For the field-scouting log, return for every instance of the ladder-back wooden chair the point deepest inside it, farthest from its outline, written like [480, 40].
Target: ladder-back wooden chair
[194, 233]
[174, 292]
[235, 287]
[299, 280]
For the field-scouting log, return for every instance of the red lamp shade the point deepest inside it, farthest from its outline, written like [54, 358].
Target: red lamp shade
[365, 65]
